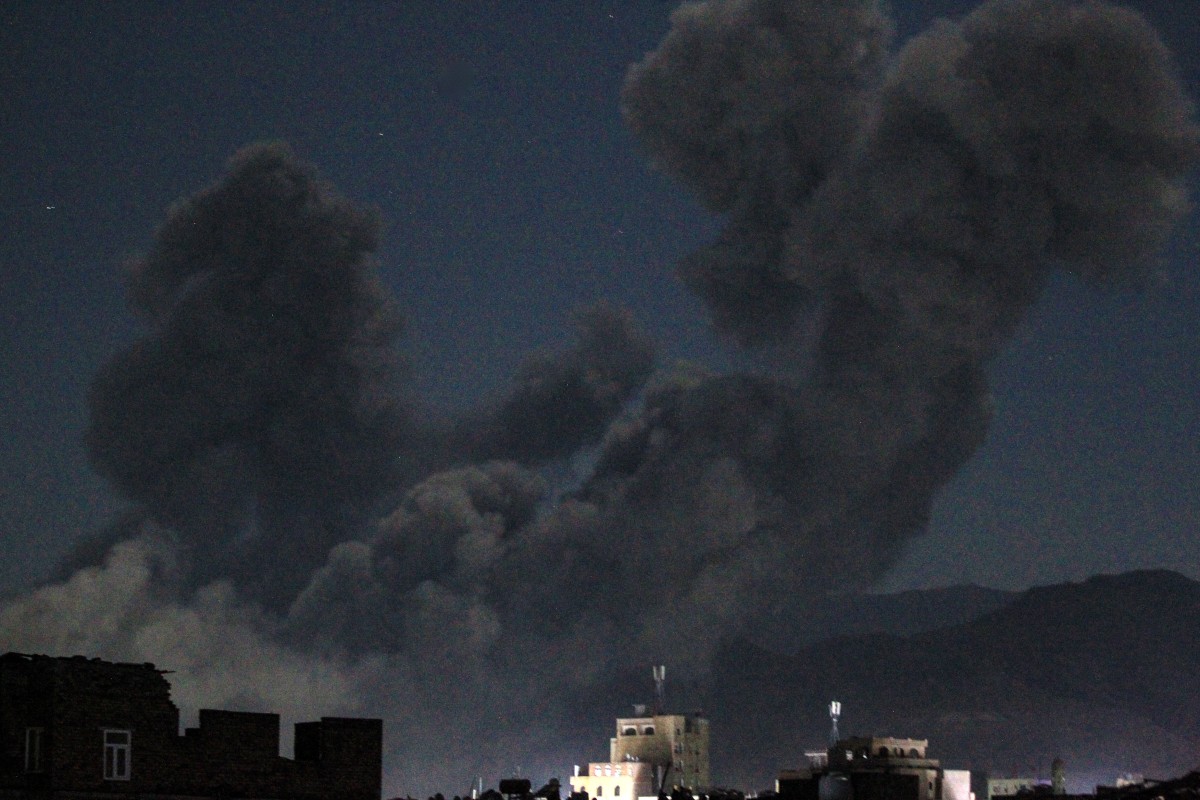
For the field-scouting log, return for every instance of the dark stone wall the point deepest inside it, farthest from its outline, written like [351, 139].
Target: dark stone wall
[886, 786]
[90, 696]
[231, 754]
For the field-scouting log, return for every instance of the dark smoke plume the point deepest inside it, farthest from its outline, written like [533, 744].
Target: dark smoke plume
[264, 408]
[562, 401]
[752, 104]
[890, 218]
[1035, 135]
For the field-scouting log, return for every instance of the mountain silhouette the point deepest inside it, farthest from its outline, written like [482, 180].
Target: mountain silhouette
[1104, 673]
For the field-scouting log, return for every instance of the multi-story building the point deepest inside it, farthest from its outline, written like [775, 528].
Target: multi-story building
[77, 726]
[650, 752]
[647, 753]
[875, 768]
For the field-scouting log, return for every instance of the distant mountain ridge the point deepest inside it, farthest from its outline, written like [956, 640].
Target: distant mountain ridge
[792, 627]
[1104, 673]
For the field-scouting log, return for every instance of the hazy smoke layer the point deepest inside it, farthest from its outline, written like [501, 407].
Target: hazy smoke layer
[127, 609]
[898, 220]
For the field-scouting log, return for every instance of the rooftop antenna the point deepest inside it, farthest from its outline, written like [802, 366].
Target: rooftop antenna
[835, 713]
[660, 696]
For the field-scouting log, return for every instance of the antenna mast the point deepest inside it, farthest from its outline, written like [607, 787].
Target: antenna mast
[660, 695]
[835, 713]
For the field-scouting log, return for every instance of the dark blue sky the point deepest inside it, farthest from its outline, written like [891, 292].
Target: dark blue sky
[488, 135]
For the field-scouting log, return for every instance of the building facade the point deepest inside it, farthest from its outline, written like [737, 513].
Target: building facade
[875, 768]
[648, 753]
[78, 726]
[1009, 787]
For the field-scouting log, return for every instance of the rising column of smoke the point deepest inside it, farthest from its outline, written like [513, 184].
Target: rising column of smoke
[264, 410]
[751, 104]
[561, 401]
[1037, 134]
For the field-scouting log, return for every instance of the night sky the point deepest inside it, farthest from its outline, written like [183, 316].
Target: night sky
[489, 137]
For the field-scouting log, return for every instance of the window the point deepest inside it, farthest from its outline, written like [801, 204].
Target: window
[599, 790]
[679, 747]
[616, 791]
[116, 755]
[648, 730]
[33, 749]
[629, 732]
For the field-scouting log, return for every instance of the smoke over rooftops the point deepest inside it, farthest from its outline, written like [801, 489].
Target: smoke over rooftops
[896, 212]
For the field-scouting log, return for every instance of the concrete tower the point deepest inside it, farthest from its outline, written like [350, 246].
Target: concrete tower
[835, 713]
[1058, 777]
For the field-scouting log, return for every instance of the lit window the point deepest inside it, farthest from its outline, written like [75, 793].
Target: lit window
[33, 749]
[116, 755]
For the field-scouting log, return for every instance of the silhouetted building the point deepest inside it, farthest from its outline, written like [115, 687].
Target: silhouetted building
[77, 726]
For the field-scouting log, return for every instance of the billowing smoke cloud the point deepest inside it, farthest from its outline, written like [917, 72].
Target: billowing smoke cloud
[562, 401]
[265, 406]
[1035, 135]
[891, 217]
[751, 105]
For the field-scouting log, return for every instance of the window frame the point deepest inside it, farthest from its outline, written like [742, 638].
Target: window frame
[34, 756]
[121, 755]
